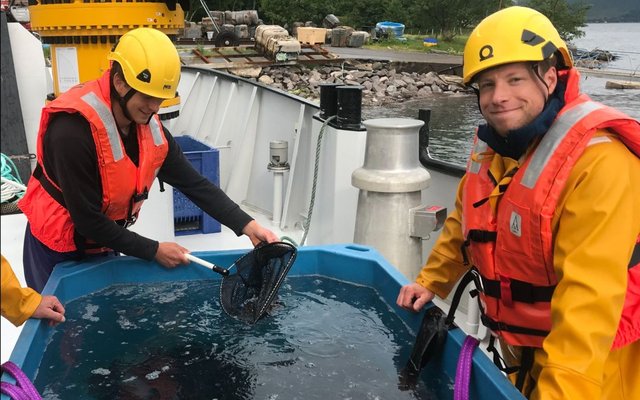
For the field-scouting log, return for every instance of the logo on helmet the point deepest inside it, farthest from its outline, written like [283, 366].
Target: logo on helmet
[485, 52]
[144, 76]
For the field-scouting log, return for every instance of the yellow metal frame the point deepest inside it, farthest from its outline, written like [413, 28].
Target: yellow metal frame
[92, 28]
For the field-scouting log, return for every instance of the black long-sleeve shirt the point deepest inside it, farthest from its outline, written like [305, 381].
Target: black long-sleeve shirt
[71, 161]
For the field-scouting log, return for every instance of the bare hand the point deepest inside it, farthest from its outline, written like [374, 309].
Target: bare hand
[257, 233]
[50, 308]
[413, 297]
[171, 254]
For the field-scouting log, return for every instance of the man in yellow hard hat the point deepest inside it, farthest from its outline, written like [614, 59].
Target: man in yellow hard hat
[547, 217]
[100, 146]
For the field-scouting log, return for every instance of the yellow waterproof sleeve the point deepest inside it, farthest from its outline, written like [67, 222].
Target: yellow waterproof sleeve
[18, 304]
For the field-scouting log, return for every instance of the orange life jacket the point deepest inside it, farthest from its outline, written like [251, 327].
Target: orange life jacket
[124, 186]
[513, 249]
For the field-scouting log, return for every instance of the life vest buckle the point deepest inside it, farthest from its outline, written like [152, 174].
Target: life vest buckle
[138, 197]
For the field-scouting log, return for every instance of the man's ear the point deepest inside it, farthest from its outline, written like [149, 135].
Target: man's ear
[551, 79]
[120, 84]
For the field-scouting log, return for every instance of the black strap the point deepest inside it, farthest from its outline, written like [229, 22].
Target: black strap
[481, 236]
[498, 361]
[480, 202]
[521, 291]
[501, 326]
[464, 282]
[635, 257]
[526, 362]
[53, 191]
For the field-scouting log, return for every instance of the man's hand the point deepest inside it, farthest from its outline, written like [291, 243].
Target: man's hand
[171, 254]
[50, 308]
[257, 233]
[413, 297]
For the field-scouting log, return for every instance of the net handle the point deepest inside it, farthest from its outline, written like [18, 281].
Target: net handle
[213, 267]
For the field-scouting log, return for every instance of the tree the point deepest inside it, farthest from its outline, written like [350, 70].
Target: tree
[567, 18]
[282, 12]
[446, 17]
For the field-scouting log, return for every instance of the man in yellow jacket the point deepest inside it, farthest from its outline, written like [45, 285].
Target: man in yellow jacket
[20, 304]
[547, 218]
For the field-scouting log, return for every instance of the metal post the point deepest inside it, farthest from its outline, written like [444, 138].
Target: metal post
[390, 183]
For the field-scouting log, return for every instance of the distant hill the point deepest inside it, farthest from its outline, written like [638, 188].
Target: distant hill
[612, 10]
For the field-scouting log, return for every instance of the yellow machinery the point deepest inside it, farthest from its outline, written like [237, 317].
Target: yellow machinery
[82, 32]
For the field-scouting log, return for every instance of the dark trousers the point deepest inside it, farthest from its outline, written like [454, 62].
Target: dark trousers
[39, 260]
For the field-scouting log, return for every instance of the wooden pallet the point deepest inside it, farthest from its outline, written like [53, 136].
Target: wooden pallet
[241, 56]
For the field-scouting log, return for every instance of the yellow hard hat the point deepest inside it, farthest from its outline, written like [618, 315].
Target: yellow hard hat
[149, 61]
[513, 34]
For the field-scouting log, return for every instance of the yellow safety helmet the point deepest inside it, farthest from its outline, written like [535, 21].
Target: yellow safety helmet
[513, 34]
[149, 61]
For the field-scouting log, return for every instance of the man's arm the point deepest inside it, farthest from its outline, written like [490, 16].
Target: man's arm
[444, 266]
[19, 304]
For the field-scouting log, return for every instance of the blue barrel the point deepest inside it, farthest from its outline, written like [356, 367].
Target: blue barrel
[392, 27]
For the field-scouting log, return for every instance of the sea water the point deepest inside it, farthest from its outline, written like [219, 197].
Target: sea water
[324, 339]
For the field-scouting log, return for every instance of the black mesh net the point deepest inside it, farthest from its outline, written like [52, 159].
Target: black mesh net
[247, 294]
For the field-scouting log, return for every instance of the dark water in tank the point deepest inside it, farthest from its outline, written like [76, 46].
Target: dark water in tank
[325, 339]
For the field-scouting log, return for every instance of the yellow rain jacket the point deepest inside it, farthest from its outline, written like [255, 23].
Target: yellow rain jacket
[18, 303]
[576, 360]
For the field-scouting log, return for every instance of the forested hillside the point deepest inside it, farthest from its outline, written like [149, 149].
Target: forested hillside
[612, 10]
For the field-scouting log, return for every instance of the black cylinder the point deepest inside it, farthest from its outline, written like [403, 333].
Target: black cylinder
[328, 100]
[424, 114]
[349, 115]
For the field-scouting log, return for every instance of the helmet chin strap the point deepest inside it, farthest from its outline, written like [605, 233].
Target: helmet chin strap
[536, 72]
[123, 100]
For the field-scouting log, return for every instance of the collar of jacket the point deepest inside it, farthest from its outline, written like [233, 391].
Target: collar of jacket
[517, 141]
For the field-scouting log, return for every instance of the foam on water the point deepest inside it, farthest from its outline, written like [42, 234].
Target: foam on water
[323, 339]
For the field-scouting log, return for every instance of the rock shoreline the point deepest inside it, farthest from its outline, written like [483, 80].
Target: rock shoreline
[381, 83]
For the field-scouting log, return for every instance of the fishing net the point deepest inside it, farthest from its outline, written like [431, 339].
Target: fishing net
[432, 336]
[248, 294]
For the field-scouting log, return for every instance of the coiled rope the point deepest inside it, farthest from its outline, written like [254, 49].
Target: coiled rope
[12, 187]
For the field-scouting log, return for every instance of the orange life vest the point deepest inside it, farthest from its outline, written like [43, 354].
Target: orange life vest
[124, 186]
[513, 249]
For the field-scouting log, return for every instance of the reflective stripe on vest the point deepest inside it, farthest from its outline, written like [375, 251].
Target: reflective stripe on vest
[109, 123]
[478, 147]
[552, 139]
[156, 132]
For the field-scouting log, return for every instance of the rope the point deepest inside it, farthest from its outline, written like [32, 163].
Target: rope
[12, 186]
[307, 222]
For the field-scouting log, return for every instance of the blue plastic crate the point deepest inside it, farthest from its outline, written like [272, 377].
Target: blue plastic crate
[189, 219]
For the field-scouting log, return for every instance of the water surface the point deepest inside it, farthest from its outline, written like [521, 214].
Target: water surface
[325, 339]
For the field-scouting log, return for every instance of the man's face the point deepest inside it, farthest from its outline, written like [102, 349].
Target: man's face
[142, 107]
[511, 95]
